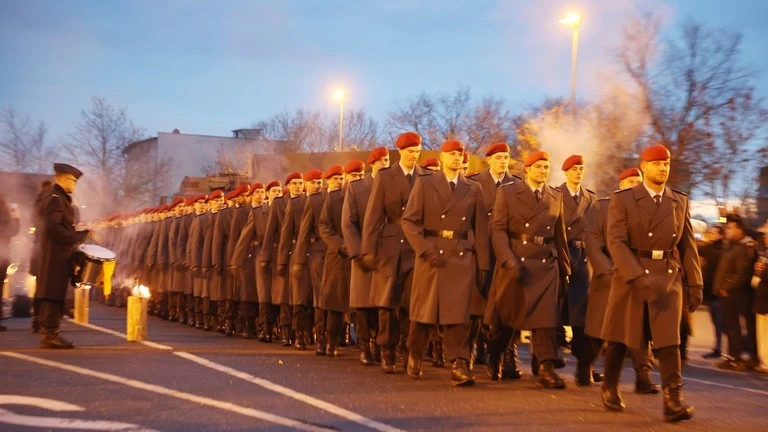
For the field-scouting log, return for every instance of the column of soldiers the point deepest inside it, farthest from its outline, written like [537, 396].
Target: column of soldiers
[426, 256]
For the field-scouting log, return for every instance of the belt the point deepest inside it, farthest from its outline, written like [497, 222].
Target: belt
[578, 244]
[527, 238]
[446, 234]
[653, 254]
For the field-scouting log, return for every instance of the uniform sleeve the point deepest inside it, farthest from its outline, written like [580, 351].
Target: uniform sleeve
[286, 235]
[272, 231]
[618, 240]
[374, 217]
[57, 227]
[595, 242]
[220, 233]
[482, 237]
[306, 226]
[689, 255]
[413, 220]
[561, 243]
[350, 223]
[498, 229]
[244, 242]
[327, 228]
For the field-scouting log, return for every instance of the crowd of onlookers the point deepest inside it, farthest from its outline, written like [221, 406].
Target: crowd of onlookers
[733, 260]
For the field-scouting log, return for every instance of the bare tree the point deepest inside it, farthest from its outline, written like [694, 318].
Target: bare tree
[23, 147]
[97, 144]
[301, 130]
[686, 88]
[436, 118]
[361, 131]
[489, 122]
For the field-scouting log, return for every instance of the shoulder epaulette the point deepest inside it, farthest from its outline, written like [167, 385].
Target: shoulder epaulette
[604, 198]
[590, 191]
[679, 192]
[385, 168]
[507, 184]
[427, 173]
[516, 176]
[473, 176]
[555, 189]
[622, 190]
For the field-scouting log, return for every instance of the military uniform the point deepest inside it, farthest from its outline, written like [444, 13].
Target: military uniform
[267, 276]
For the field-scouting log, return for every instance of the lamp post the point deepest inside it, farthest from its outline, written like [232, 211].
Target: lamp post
[339, 96]
[574, 21]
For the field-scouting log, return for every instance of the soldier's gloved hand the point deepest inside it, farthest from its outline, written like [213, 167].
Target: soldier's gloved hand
[433, 258]
[644, 286]
[694, 296]
[282, 269]
[368, 262]
[512, 268]
[481, 277]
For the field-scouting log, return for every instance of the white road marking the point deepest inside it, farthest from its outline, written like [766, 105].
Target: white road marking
[285, 391]
[10, 417]
[122, 335]
[269, 385]
[250, 412]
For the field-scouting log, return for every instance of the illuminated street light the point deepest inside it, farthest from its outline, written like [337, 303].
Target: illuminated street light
[574, 21]
[339, 96]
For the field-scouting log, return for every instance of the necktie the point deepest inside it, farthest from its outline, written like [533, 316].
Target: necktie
[538, 194]
[498, 183]
[453, 186]
[409, 176]
[657, 199]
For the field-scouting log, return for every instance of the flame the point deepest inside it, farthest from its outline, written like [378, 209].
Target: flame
[140, 291]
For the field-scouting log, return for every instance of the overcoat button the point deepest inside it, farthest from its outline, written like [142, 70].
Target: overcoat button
[522, 259]
[527, 224]
[647, 271]
[441, 251]
[544, 260]
[650, 234]
[669, 270]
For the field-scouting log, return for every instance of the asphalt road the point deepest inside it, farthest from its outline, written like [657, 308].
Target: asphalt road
[190, 380]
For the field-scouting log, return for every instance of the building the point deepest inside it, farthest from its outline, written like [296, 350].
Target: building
[158, 165]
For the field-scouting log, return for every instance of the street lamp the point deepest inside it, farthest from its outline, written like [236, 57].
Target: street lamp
[339, 96]
[574, 21]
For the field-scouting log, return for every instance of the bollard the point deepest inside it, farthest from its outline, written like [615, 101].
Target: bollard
[137, 319]
[81, 304]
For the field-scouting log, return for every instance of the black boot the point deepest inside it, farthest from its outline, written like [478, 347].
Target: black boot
[614, 359]
[675, 409]
[301, 341]
[460, 374]
[51, 339]
[548, 378]
[347, 340]
[511, 369]
[207, 324]
[388, 359]
[583, 375]
[35, 325]
[265, 335]
[376, 351]
[414, 366]
[366, 356]
[285, 336]
[481, 353]
[438, 355]
[321, 344]
[643, 382]
[495, 371]
[332, 350]
[229, 328]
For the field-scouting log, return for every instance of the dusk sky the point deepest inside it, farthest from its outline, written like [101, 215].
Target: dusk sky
[208, 67]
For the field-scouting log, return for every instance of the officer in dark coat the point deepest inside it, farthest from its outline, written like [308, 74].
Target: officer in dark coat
[34, 259]
[446, 224]
[532, 266]
[385, 250]
[269, 306]
[333, 298]
[657, 274]
[58, 242]
[577, 205]
[269, 256]
[352, 218]
[497, 174]
[600, 288]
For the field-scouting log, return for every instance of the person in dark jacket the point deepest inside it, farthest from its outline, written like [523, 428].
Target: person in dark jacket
[9, 227]
[732, 285]
[34, 259]
[760, 306]
[710, 255]
[58, 242]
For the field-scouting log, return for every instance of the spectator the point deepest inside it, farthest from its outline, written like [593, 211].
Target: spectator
[709, 254]
[760, 283]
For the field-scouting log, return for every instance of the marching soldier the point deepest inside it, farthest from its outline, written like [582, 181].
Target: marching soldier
[57, 241]
[175, 274]
[446, 224]
[183, 273]
[268, 255]
[528, 234]
[600, 287]
[213, 296]
[497, 174]
[577, 205]
[651, 242]
[194, 256]
[243, 259]
[385, 250]
[333, 298]
[352, 218]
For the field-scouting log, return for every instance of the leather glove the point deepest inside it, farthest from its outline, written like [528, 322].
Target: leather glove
[513, 269]
[481, 277]
[433, 258]
[694, 296]
[644, 286]
[368, 262]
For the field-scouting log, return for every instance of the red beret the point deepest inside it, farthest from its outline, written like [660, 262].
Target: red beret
[215, 194]
[354, 166]
[292, 176]
[273, 183]
[334, 170]
[466, 157]
[654, 153]
[499, 147]
[195, 199]
[629, 172]
[176, 202]
[257, 185]
[313, 174]
[236, 192]
[452, 145]
[535, 157]
[571, 161]
[408, 139]
[376, 154]
[162, 208]
[431, 162]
